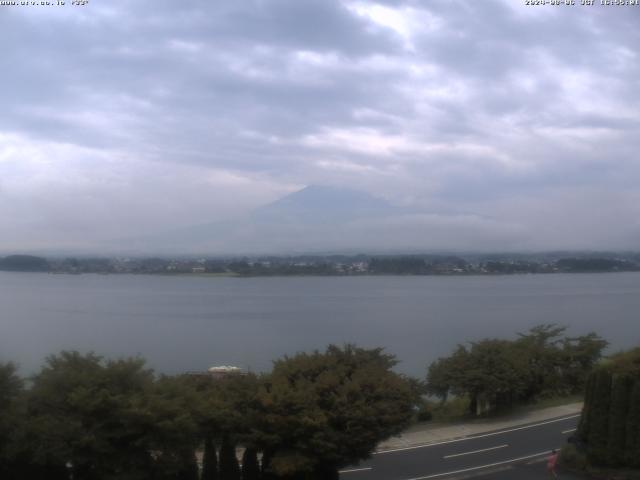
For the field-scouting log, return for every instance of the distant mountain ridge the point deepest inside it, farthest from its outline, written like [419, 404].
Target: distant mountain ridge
[326, 219]
[316, 202]
[299, 220]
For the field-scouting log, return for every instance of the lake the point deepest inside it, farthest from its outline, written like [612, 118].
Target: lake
[191, 323]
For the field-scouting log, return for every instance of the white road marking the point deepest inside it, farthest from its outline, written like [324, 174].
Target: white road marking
[476, 436]
[352, 470]
[480, 467]
[570, 430]
[475, 451]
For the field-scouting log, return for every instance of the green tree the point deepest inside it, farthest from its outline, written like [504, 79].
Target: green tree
[578, 357]
[250, 466]
[610, 423]
[226, 407]
[499, 373]
[188, 466]
[229, 468]
[265, 465]
[441, 375]
[632, 442]
[587, 412]
[597, 438]
[540, 346]
[619, 410]
[84, 412]
[24, 263]
[11, 420]
[492, 373]
[322, 411]
[171, 425]
[209, 460]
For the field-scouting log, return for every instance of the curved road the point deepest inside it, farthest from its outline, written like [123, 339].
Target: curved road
[468, 455]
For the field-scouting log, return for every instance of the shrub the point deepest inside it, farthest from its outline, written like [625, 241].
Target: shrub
[571, 458]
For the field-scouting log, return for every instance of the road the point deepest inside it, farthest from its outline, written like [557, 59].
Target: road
[480, 453]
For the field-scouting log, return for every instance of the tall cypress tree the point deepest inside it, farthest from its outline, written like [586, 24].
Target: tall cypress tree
[632, 443]
[265, 467]
[620, 393]
[188, 466]
[229, 468]
[250, 467]
[597, 439]
[209, 460]
[586, 417]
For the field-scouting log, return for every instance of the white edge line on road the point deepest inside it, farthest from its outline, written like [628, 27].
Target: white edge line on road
[352, 470]
[480, 467]
[476, 451]
[569, 431]
[476, 436]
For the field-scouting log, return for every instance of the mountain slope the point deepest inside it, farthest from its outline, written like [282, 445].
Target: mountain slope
[324, 204]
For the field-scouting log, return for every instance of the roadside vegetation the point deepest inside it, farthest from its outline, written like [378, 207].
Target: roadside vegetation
[494, 375]
[608, 435]
[87, 418]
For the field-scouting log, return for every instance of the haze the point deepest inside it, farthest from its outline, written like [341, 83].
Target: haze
[468, 125]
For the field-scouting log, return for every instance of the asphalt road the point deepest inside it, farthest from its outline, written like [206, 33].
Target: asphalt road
[477, 454]
[529, 471]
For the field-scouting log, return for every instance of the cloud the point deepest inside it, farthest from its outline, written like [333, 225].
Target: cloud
[126, 116]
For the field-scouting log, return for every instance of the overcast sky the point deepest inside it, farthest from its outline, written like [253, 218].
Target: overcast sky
[511, 126]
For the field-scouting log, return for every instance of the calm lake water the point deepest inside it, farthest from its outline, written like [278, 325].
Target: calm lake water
[189, 323]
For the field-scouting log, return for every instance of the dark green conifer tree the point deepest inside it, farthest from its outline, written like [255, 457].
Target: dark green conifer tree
[189, 467]
[597, 439]
[621, 390]
[265, 466]
[632, 443]
[229, 468]
[586, 417]
[250, 466]
[209, 461]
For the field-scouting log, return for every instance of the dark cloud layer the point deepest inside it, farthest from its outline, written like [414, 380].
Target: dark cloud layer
[128, 117]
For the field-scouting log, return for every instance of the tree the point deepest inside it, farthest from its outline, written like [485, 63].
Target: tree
[491, 372]
[587, 413]
[619, 410]
[632, 442]
[229, 468]
[322, 411]
[597, 439]
[266, 472]
[578, 357]
[24, 263]
[398, 266]
[497, 373]
[172, 430]
[188, 465]
[85, 412]
[209, 460]
[440, 377]
[610, 423]
[541, 348]
[11, 420]
[494, 375]
[250, 466]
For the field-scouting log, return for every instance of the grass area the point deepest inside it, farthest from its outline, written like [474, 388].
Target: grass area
[456, 409]
[453, 410]
[548, 403]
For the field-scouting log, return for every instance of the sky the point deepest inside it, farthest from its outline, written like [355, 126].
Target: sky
[509, 127]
